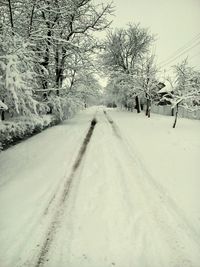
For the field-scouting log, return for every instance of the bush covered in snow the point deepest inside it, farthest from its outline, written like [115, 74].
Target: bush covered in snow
[22, 127]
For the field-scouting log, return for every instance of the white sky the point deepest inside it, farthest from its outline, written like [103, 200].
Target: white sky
[175, 23]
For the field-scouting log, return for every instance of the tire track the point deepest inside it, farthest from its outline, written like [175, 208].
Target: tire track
[113, 125]
[56, 219]
[163, 213]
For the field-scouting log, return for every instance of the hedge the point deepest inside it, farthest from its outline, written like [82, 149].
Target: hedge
[19, 128]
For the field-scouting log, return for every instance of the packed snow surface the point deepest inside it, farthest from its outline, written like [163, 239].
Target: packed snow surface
[122, 192]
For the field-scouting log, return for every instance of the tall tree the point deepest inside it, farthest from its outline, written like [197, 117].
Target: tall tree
[125, 51]
[54, 35]
[147, 82]
[186, 89]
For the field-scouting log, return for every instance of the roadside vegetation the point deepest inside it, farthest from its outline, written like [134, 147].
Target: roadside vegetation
[50, 59]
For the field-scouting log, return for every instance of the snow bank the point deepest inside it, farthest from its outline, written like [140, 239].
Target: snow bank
[21, 127]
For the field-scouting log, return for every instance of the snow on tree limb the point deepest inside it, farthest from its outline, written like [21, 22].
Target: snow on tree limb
[3, 106]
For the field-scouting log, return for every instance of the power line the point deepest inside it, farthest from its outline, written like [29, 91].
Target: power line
[179, 55]
[188, 44]
[181, 49]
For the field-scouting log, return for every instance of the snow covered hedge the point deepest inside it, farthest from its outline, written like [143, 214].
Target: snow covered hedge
[22, 127]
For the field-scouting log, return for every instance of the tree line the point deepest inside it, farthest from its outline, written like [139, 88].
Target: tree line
[47, 54]
[134, 76]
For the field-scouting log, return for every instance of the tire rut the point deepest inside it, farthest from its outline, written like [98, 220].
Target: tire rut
[160, 215]
[113, 125]
[50, 234]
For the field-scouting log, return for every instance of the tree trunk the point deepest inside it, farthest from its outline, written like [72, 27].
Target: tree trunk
[45, 62]
[148, 108]
[11, 16]
[3, 115]
[31, 19]
[57, 71]
[137, 100]
[60, 61]
[176, 116]
[72, 79]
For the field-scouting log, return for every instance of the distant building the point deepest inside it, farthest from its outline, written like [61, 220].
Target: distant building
[165, 93]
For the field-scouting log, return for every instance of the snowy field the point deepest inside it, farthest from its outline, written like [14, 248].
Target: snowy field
[123, 192]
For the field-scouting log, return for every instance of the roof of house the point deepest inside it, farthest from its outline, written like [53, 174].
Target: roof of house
[167, 89]
[3, 106]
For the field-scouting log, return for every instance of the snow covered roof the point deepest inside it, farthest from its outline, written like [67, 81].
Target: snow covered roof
[167, 89]
[3, 106]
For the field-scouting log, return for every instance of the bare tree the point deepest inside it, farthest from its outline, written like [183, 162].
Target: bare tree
[125, 48]
[186, 89]
[125, 51]
[52, 34]
[147, 82]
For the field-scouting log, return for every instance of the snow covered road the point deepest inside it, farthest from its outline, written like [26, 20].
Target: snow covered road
[82, 195]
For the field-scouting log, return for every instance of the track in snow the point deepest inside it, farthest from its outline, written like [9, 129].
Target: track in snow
[108, 210]
[57, 216]
[113, 125]
[166, 216]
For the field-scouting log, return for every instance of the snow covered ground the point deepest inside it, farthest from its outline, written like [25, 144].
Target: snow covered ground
[123, 192]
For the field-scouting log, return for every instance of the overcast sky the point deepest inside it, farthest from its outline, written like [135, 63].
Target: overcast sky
[175, 22]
